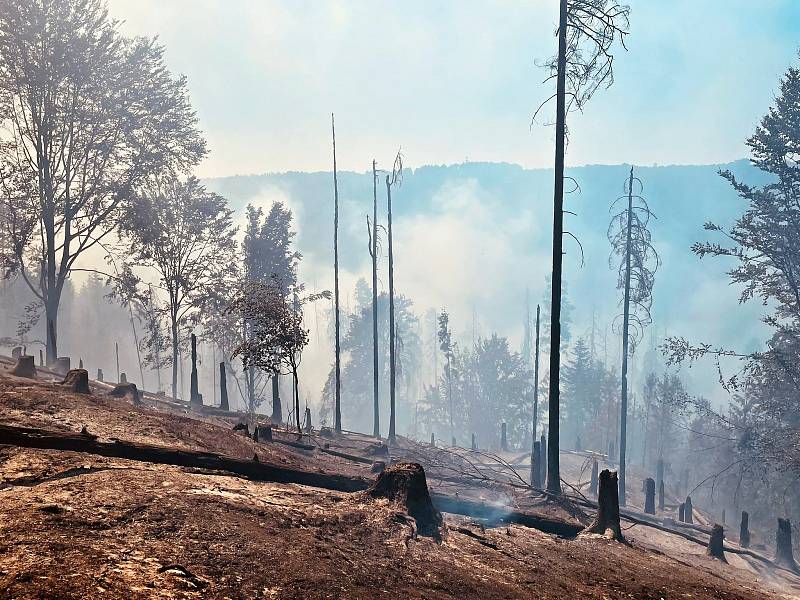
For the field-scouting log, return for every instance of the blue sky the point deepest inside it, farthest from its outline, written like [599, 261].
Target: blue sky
[450, 81]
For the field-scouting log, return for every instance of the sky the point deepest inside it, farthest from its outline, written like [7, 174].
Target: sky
[451, 81]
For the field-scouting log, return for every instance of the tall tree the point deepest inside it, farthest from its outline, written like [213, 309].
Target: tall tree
[392, 180]
[337, 349]
[86, 115]
[631, 240]
[446, 346]
[184, 233]
[373, 251]
[586, 33]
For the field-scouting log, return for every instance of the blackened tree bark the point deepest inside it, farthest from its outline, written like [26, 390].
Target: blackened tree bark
[687, 510]
[744, 530]
[223, 387]
[715, 543]
[784, 554]
[649, 496]
[607, 507]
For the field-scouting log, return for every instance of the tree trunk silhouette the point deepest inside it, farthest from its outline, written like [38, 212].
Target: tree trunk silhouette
[661, 495]
[715, 543]
[649, 496]
[687, 511]
[194, 391]
[553, 472]
[376, 424]
[77, 381]
[682, 512]
[784, 555]
[223, 388]
[536, 457]
[593, 481]
[536, 379]
[338, 384]
[744, 530]
[25, 367]
[277, 410]
[607, 507]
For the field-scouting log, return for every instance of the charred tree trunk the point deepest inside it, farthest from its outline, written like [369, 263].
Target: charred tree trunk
[376, 422]
[308, 420]
[223, 388]
[784, 555]
[715, 543]
[687, 511]
[593, 481]
[607, 507]
[536, 457]
[433, 439]
[649, 496]
[474, 445]
[553, 472]
[536, 378]
[277, 411]
[77, 381]
[543, 441]
[744, 530]
[682, 512]
[25, 367]
[338, 384]
[661, 495]
[100, 375]
[194, 391]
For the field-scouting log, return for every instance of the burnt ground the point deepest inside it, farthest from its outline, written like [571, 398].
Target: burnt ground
[78, 525]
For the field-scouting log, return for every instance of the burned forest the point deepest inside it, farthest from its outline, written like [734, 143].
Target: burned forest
[399, 300]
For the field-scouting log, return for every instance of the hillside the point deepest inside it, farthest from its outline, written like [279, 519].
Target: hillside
[85, 514]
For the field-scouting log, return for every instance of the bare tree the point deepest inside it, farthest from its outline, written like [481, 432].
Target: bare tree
[337, 350]
[373, 251]
[86, 114]
[586, 33]
[394, 179]
[631, 240]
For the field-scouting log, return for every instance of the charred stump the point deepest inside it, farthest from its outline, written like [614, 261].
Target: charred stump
[784, 555]
[593, 480]
[715, 549]
[661, 495]
[25, 367]
[433, 439]
[503, 437]
[682, 513]
[404, 484]
[123, 378]
[474, 445]
[80, 363]
[536, 456]
[308, 420]
[223, 388]
[649, 496]
[744, 530]
[77, 380]
[607, 519]
[687, 511]
[123, 390]
[100, 375]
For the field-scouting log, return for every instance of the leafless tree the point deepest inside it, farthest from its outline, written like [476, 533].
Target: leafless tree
[392, 180]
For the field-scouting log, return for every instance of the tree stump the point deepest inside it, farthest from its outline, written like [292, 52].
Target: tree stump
[80, 363]
[661, 495]
[784, 555]
[536, 456]
[682, 513]
[404, 484]
[607, 519]
[474, 445]
[744, 530]
[61, 365]
[262, 433]
[593, 480]
[308, 420]
[77, 380]
[123, 378]
[503, 437]
[100, 375]
[223, 388]
[16, 352]
[649, 496]
[687, 511]
[122, 390]
[325, 432]
[715, 549]
[243, 427]
[25, 367]
[433, 439]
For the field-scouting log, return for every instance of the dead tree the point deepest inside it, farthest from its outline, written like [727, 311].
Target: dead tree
[308, 420]
[474, 445]
[607, 507]
[682, 512]
[593, 481]
[784, 555]
[661, 495]
[433, 439]
[25, 367]
[545, 457]
[77, 381]
[649, 496]
[100, 375]
[687, 511]
[123, 378]
[223, 388]
[373, 251]
[630, 239]
[586, 33]
[391, 180]
[744, 530]
[337, 419]
[715, 543]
